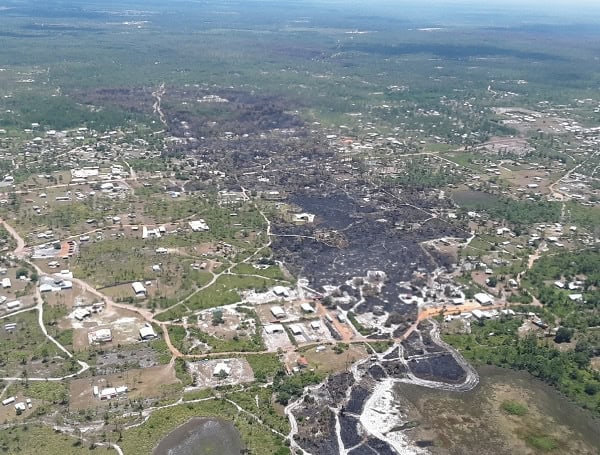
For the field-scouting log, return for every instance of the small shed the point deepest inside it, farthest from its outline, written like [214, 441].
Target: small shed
[278, 312]
[273, 328]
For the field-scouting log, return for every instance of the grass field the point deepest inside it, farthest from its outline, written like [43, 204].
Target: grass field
[36, 439]
[257, 438]
[27, 352]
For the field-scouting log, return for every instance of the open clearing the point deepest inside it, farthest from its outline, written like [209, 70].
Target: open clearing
[124, 325]
[142, 383]
[204, 377]
[328, 361]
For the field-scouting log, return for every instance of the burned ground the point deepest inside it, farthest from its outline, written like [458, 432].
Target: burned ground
[365, 238]
[393, 354]
[317, 434]
[438, 367]
[317, 422]
[413, 345]
[362, 450]
[357, 399]
[138, 99]
[380, 447]
[377, 372]
[116, 360]
[394, 369]
[260, 145]
[349, 430]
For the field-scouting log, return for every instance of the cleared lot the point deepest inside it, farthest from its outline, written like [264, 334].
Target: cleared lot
[204, 371]
[141, 383]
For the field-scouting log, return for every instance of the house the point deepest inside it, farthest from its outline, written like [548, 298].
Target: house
[147, 332]
[576, 297]
[315, 325]
[14, 304]
[146, 233]
[278, 312]
[56, 283]
[108, 393]
[483, 299]
[198, 225]
[100, 336]
[271, 329]
[295, 329]
[559, 284]
[281, 291]
[307, 308]
[81, 313]
[221, 368]
[20, 407]
[6, 283]
[46, 287]
[478, 314]
[304, 218]
[139, 289]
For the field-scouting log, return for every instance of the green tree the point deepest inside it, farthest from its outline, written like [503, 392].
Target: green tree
[563, 335]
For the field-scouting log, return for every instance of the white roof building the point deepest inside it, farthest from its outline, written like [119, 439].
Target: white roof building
[139, 289]
[478, 314]
[20, 406]
[14, 304]
[281, 291]
[273, 328]
[221, 368]
[307, 308]
[108, 393]
[46, 287]
[100, 336]
[278, 312]
[304, 217]
[198, 225]
[295, 329]
[6, 283]
[147, 332]
[81, 313]
[483, 299]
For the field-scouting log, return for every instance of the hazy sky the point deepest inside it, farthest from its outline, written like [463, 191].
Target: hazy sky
[476, 12]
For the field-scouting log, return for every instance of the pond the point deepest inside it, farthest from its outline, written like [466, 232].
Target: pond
[201, 436]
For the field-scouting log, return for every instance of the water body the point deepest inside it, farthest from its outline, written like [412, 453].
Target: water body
[473, 423]
[201, 436]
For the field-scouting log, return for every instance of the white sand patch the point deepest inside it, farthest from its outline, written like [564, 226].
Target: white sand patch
[380, 415]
